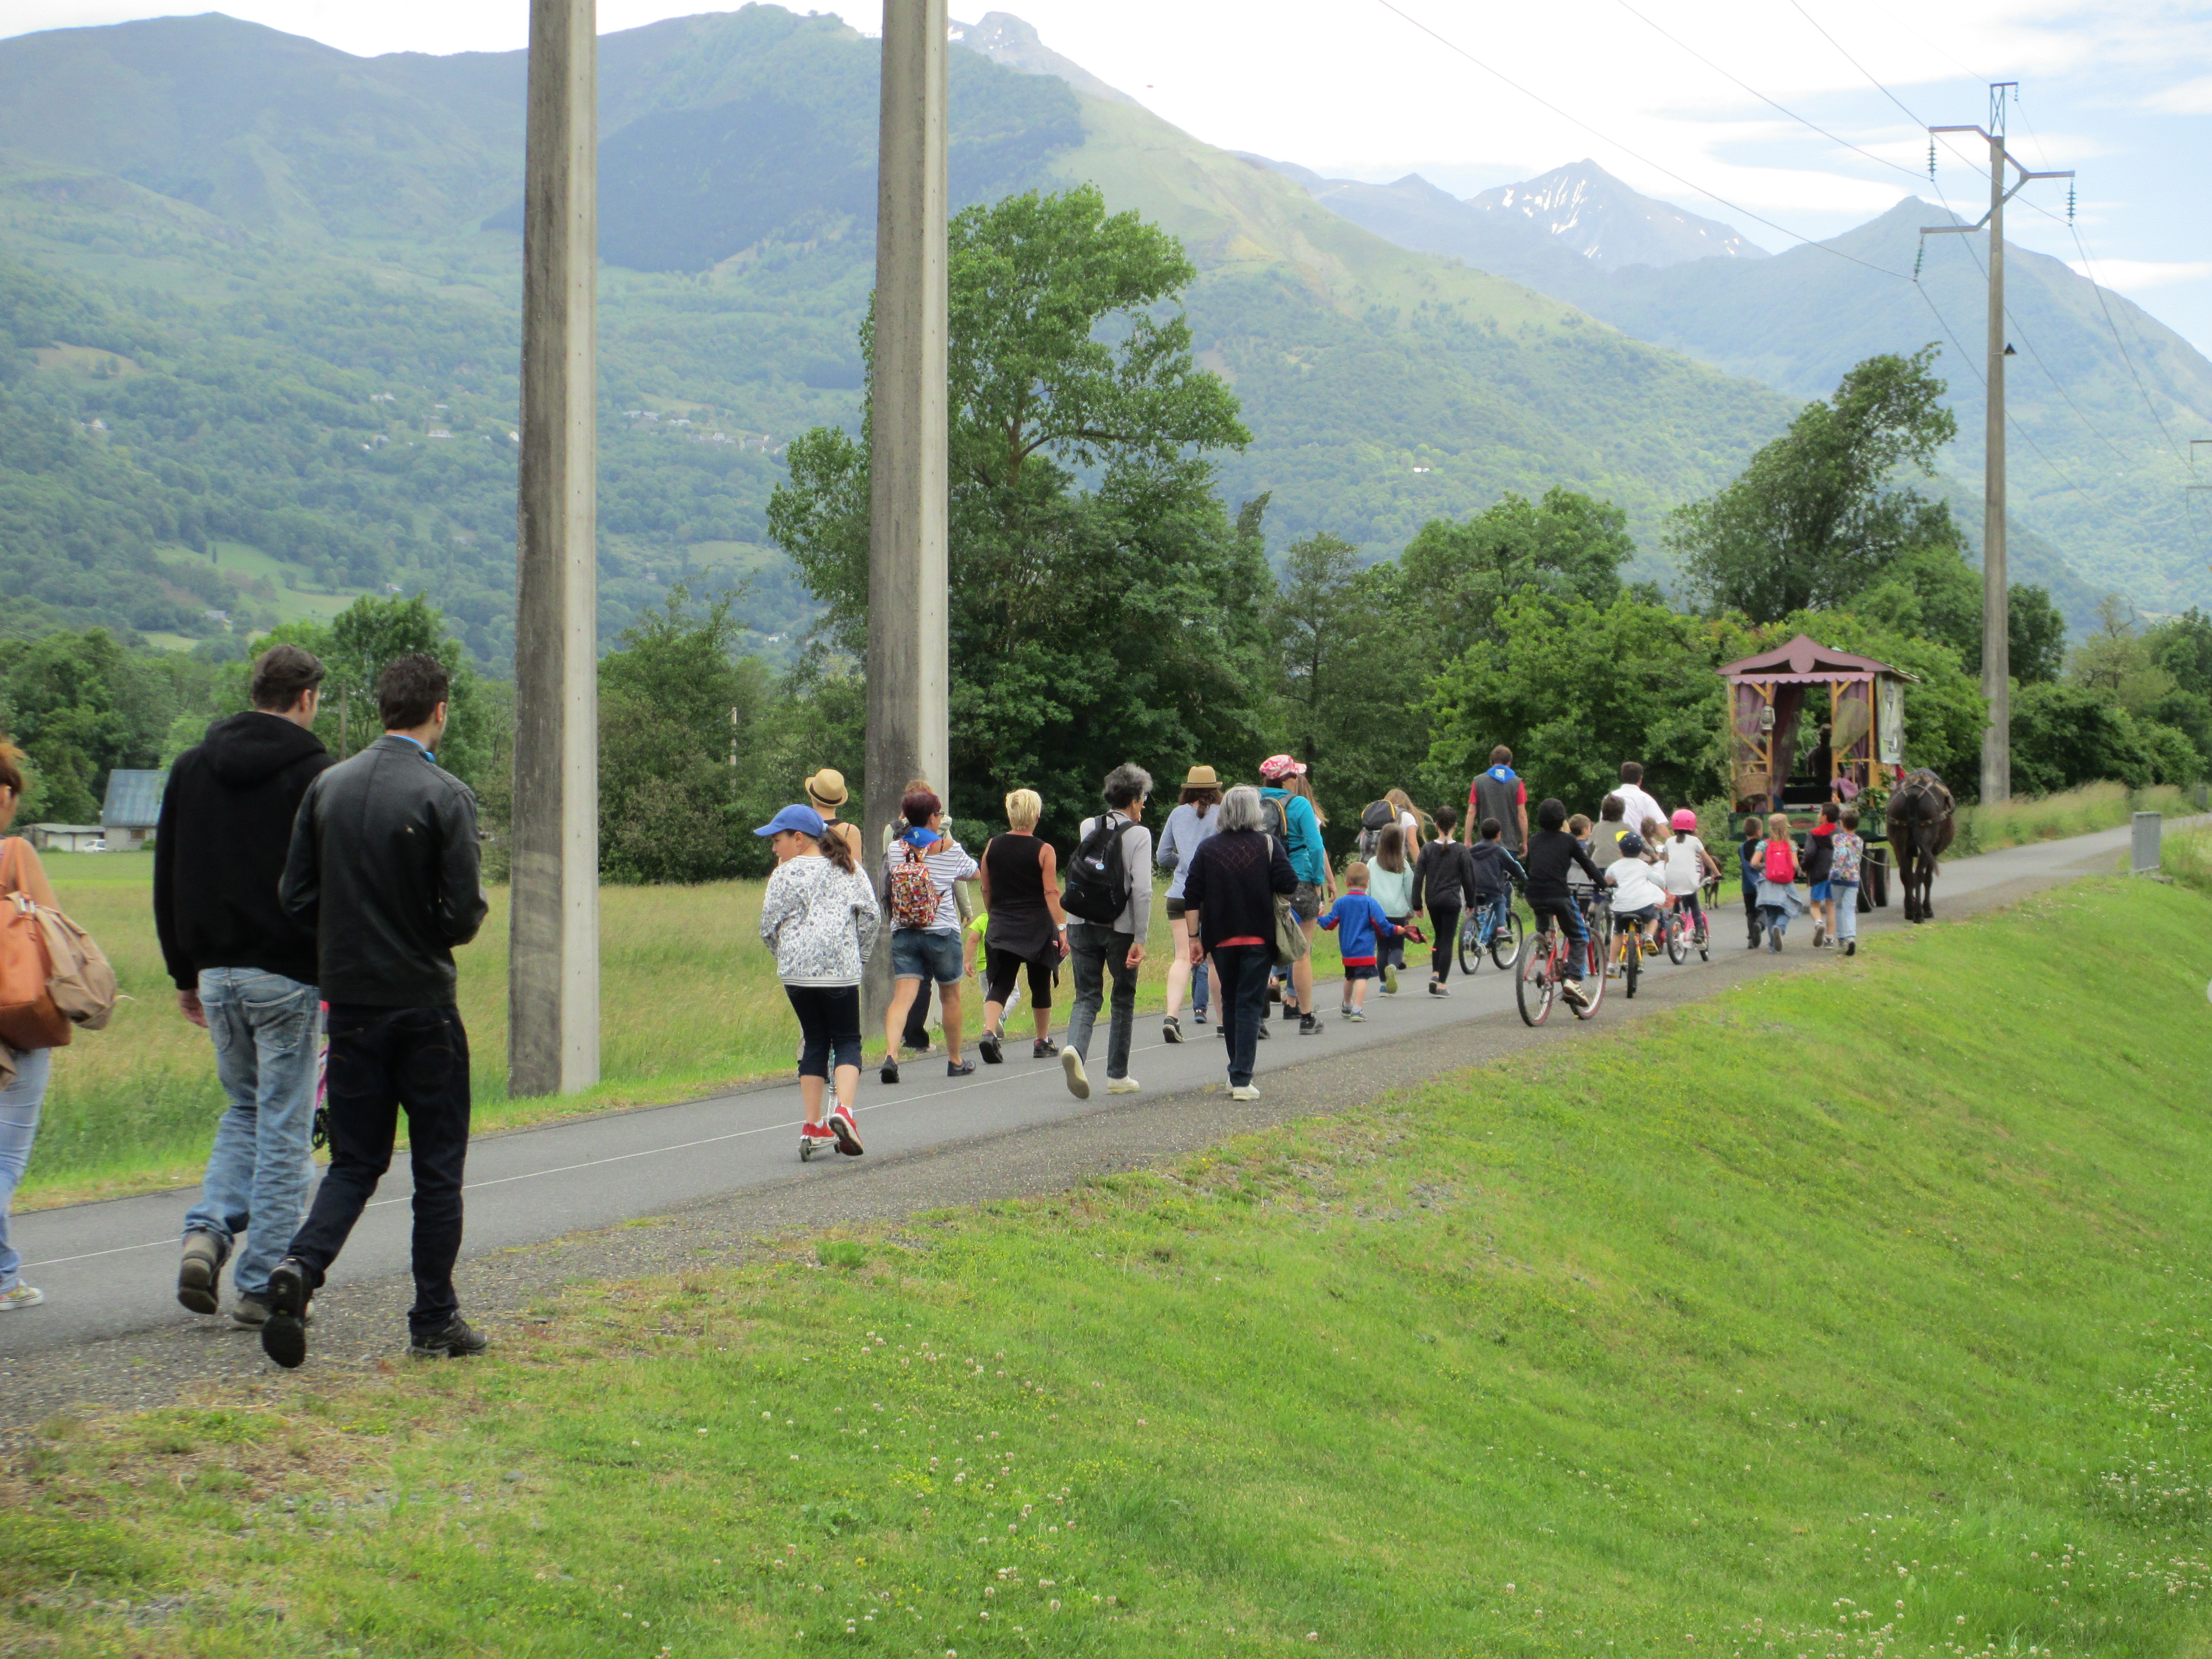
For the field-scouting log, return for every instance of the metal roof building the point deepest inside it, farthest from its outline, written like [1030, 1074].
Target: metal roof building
[132, 808]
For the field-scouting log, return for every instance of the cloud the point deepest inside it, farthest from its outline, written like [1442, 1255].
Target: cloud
[2126, 276]
[2190, 98]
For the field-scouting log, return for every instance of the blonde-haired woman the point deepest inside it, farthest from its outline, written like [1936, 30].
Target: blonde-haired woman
[1026, 929]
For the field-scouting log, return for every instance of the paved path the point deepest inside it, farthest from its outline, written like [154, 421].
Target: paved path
[109, 1267]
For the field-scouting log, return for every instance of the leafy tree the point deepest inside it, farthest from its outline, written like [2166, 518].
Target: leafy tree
[2117, 661]
[2066, 735]
[1813, 519]
[1090, 623]
[2036, 634]
[1932, 590]
[1577, 687]
[81, 706]
[1454, 575]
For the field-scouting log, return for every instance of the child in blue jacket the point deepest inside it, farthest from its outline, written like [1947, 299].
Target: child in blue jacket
[1361, 927]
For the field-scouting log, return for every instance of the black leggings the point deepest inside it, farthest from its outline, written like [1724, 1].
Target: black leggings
[1000, 968]
[828, 1022]
[1443, 935]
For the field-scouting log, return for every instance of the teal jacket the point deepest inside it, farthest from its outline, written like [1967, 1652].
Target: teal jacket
[1309, 857]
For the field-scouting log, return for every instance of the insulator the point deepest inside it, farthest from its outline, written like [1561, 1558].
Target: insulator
[1931, 158]
[2070, 204]
[1918, 254]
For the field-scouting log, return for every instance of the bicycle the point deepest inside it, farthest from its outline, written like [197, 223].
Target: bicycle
[1543, 962]
[1482, 933]
[1682, 937]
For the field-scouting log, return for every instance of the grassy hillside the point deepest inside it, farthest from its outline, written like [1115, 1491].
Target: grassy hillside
[309, 261]
[1853, 1313]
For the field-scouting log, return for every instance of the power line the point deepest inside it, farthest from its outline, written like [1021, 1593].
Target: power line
[1452, 46]
[1801, 120]
[2011, 419]
[2126, 357]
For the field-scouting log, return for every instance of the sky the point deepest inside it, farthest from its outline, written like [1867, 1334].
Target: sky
[1670, 96]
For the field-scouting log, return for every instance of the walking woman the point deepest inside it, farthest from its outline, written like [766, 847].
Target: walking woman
[1229, 899]
[919, 869]
[819, 916]
[1287, 801]
[23, 1072]
[1187, 827]
[1024, 928]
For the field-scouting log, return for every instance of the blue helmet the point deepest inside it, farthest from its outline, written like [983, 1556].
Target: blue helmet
[1632, 845]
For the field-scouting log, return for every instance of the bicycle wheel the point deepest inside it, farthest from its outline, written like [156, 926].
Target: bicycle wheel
[1702, 937]
[1678, 944]
[1470, 944]
[1533, 985]
[1505, 941]
[1631, 964]
[1594, 954]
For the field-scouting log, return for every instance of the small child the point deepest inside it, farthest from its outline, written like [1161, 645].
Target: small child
[1579, 827]
[1360, 928]
[1844, 881]
[1637, 896]
[1746, 858]
[1777, 866]
[1390, 881]
[1495, 870]
[973, 949]
[1606, 843]
[1688, 866]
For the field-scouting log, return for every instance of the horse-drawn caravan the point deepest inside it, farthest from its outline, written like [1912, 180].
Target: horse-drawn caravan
[1857, 753]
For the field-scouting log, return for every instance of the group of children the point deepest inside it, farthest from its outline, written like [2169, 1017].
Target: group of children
[1771, 867]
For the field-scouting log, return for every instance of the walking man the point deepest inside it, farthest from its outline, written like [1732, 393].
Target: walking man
[384, 866]
[1112, 940]
[1500, 794]
[245, 972]
[1637, 803]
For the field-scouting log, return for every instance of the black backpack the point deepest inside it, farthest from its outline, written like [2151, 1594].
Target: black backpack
[1379, 815]
[1097, 888]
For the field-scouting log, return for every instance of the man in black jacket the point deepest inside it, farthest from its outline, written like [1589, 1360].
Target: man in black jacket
[384, 866]
[245, 972]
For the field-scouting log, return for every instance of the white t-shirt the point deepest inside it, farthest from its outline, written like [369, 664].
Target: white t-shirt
[1636, 806]
[1684, 872]
[1635, 885]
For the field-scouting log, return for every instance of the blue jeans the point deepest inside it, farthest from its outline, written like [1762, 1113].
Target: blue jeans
[1244, 970]
[1569, 915]
[1846, 896]
[264, 1028]
[19, 1127]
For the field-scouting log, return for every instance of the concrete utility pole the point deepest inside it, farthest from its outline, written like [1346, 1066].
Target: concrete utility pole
[553, 973]
[1997, 601]
[909, 674]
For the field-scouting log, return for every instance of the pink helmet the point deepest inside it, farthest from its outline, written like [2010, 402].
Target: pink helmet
[1684, 818]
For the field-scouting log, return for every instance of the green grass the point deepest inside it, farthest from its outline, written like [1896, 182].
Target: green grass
[1854, 1313]
[2053, 817]
[690, 1004]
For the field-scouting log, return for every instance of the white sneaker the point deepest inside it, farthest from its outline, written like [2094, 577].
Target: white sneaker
[1242, 1091]
[1122, 1085]
[20, 1295]
[1071, 1066]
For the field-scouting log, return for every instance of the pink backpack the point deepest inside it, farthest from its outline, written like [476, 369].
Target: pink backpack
[1781, 860]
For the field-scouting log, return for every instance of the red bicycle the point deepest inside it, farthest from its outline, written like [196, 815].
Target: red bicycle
[1544, 960]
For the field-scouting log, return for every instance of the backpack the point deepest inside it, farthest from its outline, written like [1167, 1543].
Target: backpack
[1097, 888]
[1781, 860]
[912, 893]
[1379, 815]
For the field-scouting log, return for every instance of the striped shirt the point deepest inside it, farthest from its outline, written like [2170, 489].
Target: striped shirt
[951, 863]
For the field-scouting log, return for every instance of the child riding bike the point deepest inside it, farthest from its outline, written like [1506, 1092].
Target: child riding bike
[1689, 867]
[1638, 897]
[1551, 856]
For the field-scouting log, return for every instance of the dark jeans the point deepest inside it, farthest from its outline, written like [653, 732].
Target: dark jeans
[384, 1061]
[916, 1035]
[828, 1022]
[1570, 917]
[1244, 970]
[1751, 910]
[1443, 937]
[1096, 952]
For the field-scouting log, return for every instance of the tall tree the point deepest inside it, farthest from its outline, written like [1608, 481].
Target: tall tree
[1455, 574]
[1104, 605]
[1815, 519]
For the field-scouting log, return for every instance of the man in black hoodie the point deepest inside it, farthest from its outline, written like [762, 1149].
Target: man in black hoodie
[244, 970]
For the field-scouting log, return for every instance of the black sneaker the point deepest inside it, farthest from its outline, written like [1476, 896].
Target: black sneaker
[959, 1068]
[1171, 1028]
[1198, 1015]
[1265, 1034]
[457, 1340]
[987, 1046]
[284, 1332]
[1309, 1025]
[889, 1073]
[1043, 1049]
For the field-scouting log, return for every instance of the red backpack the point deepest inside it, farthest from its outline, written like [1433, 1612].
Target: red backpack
[1781, 860]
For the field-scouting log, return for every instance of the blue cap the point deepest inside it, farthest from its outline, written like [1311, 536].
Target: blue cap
[1632, 845]
[803, 819]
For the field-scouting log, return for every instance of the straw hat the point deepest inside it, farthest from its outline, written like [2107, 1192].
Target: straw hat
[827, 787]
[1201, 777]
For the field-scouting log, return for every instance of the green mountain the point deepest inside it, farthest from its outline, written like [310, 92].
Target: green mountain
[264, 293]
[2094, 481]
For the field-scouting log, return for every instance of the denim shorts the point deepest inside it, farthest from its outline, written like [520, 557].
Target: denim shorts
[1820, 892]
[1361, 971]
[925, 953]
